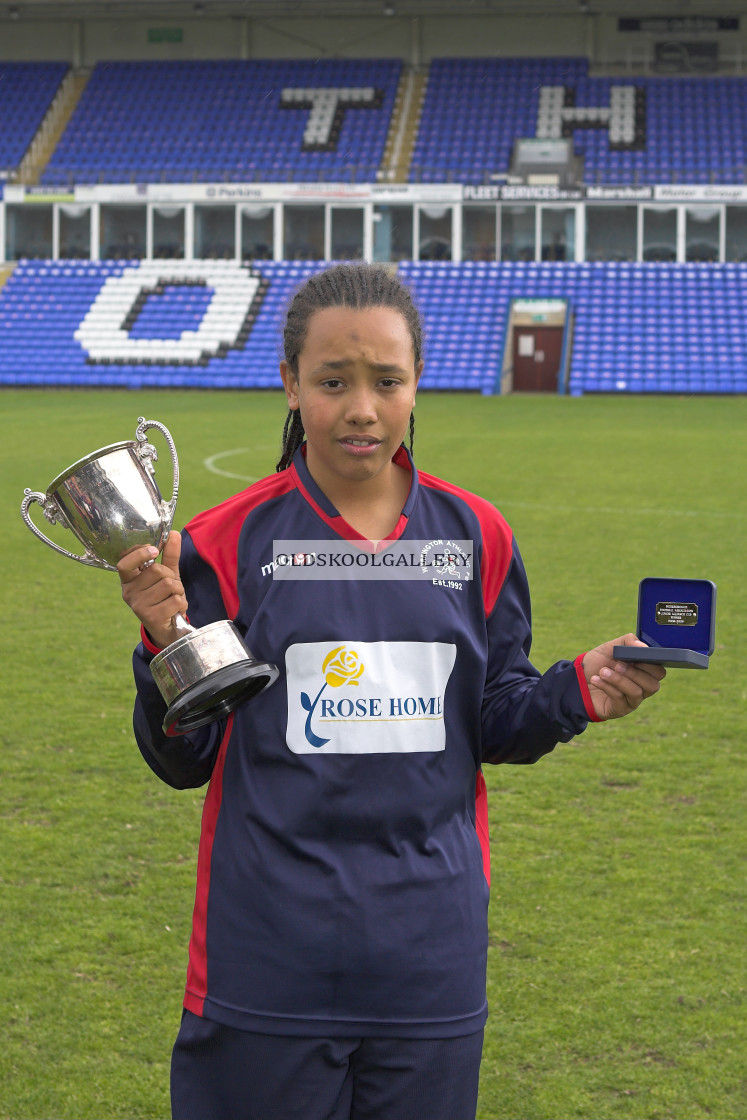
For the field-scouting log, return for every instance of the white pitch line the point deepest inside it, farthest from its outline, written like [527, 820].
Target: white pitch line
[212, 459]
[210, 462]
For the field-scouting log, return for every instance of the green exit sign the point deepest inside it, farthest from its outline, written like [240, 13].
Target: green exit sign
[165, 34]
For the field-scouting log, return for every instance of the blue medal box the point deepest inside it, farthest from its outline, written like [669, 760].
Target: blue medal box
[677, 620]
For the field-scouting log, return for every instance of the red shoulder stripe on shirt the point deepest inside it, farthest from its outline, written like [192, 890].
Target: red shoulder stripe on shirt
[481, 822]
[497, 537]
[196, 988]
[215, 533]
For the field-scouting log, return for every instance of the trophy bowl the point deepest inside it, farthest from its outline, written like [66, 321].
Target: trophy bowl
[111, 502]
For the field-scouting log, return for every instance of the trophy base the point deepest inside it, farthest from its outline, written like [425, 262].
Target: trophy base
[205, 674]
[671, 657]
[217, 695]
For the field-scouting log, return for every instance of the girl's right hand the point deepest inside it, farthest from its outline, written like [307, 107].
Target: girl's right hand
[154, 591]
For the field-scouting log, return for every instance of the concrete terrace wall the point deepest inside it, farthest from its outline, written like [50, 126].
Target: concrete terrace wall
[415, 41]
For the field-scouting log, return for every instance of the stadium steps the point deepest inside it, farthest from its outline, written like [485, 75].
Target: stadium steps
[5, 273]
[395, 126]
[404, 126]
[52, 127]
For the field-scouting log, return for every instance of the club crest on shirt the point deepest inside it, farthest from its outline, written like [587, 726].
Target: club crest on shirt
[447, 562]
[367, 697]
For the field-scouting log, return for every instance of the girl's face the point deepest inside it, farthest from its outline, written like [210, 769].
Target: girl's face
[355, 388]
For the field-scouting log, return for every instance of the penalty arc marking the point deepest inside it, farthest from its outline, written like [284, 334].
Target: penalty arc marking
[210, 464]
[507, 503]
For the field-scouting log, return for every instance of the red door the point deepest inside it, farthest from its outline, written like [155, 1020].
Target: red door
[537, 354]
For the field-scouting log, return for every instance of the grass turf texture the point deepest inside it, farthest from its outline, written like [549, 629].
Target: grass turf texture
[616, 976]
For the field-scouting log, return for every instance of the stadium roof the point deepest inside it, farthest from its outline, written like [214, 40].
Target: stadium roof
[274, 9]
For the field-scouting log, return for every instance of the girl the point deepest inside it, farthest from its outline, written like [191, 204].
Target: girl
[338, 954]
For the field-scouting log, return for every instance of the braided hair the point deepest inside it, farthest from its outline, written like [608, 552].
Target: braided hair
[357, 286]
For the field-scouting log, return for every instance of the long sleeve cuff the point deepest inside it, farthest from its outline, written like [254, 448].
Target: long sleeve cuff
[578, 665]
[148, 642]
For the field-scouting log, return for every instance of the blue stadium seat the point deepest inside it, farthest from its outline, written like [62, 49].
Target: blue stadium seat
[26, 93]
[695, 128]
[632, 334]
[213, 120]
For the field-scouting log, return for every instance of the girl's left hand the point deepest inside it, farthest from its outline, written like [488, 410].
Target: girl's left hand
[619, 687]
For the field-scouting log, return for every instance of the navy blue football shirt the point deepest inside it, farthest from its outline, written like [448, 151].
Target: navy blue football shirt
[342, 881]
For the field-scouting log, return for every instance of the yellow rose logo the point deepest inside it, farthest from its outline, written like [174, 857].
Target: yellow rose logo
[341, 666]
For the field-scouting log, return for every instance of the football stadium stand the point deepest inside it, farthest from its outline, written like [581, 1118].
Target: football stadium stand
[658, 328]
[691, 130]
[229, 121]
[306, 121]
[630, 327]
[26, 92]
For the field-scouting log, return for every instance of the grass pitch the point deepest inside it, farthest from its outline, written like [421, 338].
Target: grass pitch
[616, 976]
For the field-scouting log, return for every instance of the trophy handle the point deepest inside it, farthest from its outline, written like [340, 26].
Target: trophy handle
[53, 515]
[148, 453]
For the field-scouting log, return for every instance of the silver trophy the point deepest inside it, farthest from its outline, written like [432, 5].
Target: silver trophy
[110, 500]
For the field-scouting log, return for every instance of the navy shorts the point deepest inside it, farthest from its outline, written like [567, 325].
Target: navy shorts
[220, 1073]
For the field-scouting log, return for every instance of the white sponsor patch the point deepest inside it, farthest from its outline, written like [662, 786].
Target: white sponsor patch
[367, 697]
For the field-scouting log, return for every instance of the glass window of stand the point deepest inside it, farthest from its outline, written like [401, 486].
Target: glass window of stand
[392, 233]
[346, 233]
[479, 233]
[303, 233]
[122, 233]
[215, 233]
[659, 234]
[435, 233]
[168, 232]
[702, 233]
[611, 233]
[75, 232]
[28, 232]
[558, 233]
[257, 232]
[736, 233]
[518, 233]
